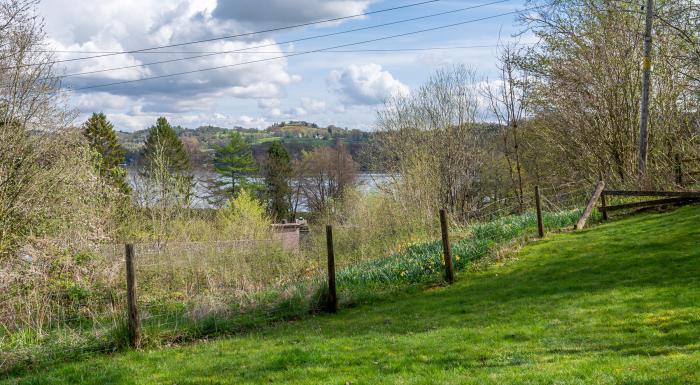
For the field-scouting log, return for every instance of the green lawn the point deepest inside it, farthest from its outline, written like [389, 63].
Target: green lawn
[616, 304]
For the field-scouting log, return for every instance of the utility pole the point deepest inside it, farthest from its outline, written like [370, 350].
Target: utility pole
[646, 78]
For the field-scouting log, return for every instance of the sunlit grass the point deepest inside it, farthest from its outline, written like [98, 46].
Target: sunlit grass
[616, 304]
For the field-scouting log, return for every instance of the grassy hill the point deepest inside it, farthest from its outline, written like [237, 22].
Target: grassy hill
[615, 304]
[296, 137]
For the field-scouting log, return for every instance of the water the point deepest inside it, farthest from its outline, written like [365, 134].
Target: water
[366, 183]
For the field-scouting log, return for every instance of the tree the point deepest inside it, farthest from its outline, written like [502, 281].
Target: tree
[431, 141]
[278, 169]
[166, 164]
[232, 162]
[162, 139]
[507, 100]
[49, 192]
[103, 140]
[586, 76]
[325, 174]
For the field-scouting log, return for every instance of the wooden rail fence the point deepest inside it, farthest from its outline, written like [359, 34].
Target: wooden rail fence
[669, 198]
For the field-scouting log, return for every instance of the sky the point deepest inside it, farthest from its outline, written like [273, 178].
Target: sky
[268, 78]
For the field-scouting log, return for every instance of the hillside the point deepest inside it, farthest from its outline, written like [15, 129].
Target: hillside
[296, 137]
[615, 304]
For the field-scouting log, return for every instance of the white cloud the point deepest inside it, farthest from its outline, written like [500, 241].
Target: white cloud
[268, 103]
[365, 84]
[134, 24]
[312, 105]
[287, 11]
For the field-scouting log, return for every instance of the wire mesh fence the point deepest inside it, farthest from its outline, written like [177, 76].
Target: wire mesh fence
[192, 290]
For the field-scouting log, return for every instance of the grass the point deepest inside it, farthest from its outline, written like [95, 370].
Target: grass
[169, 320]
[615, 304]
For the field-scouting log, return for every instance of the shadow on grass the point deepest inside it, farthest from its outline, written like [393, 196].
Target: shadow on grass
[624, 289]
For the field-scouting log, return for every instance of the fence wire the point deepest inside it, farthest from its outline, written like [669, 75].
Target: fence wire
[191, 290]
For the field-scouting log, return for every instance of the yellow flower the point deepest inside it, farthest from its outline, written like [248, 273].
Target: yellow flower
[457, 257]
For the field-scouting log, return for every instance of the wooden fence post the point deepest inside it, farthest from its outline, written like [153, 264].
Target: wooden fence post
[538, 206]
[604, 205]
[679, 170]
[446, 250]
[332, 304]
[133, 313]
[591, 203]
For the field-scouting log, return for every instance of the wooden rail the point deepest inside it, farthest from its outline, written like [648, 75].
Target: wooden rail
[643, 193]
[657, 202]
[670, 198]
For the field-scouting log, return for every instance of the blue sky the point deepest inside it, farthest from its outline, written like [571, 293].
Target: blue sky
[340, 88]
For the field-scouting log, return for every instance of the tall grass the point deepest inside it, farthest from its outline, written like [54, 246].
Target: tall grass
[185, 297]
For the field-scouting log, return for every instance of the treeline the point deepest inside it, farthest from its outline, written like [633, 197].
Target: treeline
[561, 111]
[297, 138]
[165, 179]
[567, 109]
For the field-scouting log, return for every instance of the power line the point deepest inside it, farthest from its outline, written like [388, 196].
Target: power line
[300, 53]
[340, 51]
[244, 34]
[288, 41]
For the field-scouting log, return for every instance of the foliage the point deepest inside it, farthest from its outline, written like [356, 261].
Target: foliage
[278, 171]
[103, 140]
[166, 182]
[163, 146]
[48, 187]
[573, 308]
[430, 141]
[244, 217]
[233, 161]
[235, 285]
[586, 77]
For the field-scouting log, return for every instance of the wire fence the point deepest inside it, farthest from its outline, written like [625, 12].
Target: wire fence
[191, 290]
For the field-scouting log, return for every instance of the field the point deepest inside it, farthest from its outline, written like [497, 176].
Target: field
[615, 304]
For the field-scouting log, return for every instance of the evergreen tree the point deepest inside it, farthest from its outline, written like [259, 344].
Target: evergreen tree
[165, 161]
[163, 145]
[103, 140]
[278, 170]
[232, 161]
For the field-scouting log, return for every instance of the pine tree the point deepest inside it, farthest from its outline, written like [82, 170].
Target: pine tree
[165, 161]
[103, 140]
[232, 161]
[163, 142]
[278, 169]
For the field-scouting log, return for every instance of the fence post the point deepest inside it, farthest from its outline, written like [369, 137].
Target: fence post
[591, 203]
[604, 205]
[134, 323]
[332, 304]
[446, 250]
[679, 170]
[538, 206]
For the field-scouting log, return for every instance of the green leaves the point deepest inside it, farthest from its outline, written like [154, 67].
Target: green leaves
[102, 139]
[278, 170]
[163, 149]
[232, 162]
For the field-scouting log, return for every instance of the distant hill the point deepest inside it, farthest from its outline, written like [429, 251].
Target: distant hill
[296, 136]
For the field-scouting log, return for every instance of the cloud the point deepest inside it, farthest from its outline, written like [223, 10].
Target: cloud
[268, 103]
[134, 24]
[287, 11]
[365, 84]
[312, 105]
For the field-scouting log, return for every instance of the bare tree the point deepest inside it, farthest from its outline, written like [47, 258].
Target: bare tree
[33, 114]
[324, 174]
[507, 99]
[430, 141]
[586, 75]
